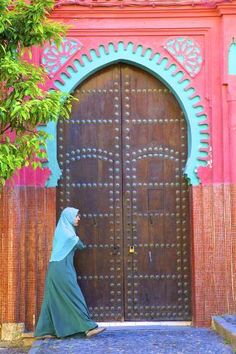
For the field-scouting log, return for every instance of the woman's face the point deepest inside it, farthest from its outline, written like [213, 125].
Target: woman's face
[77, 220]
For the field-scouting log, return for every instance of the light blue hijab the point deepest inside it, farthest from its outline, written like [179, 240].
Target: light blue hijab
[65, 237]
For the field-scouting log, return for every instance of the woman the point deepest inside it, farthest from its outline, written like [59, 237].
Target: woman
[64, 311]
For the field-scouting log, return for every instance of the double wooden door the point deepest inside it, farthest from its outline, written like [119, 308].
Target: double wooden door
[122, 155]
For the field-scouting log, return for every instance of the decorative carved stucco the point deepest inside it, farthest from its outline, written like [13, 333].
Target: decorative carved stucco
[53, 57]
[187, 52]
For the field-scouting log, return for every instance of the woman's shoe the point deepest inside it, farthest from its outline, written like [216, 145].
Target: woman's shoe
[95, 331]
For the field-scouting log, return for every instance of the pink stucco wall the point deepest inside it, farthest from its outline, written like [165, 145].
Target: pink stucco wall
[211, 27]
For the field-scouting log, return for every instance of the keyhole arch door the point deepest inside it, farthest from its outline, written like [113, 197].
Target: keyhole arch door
[122, 156]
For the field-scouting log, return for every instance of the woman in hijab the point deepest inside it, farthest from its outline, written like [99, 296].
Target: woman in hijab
[64, 311]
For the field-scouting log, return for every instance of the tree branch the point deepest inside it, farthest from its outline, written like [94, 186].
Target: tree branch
[4, 130]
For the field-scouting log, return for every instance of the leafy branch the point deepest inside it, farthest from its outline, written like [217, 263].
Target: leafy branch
[24, 104]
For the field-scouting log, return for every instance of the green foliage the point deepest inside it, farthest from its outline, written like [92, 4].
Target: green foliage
[23, 103]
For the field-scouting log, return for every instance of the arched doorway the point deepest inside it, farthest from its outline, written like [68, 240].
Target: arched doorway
[122, 156]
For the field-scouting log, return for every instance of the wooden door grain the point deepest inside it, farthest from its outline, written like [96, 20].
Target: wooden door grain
[122, 156]
[156, 211]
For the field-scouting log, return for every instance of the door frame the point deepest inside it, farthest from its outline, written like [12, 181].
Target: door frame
[79, 67]
[63, 138]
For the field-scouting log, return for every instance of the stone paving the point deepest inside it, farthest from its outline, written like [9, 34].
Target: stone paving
[5, 350]
[135, 340]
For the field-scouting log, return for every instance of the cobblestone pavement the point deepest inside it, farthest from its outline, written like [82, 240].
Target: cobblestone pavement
[13, 351]
[158, 340]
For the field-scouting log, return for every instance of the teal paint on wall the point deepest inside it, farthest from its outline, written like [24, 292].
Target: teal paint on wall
[158, 67]
[51, 150]
[232, 59]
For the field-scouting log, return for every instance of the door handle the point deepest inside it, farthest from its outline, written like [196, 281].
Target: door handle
[131, 249]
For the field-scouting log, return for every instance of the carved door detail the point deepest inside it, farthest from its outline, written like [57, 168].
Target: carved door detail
[122, 156]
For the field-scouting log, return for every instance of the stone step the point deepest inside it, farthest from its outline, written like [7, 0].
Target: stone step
[27, 335]
[28, 338]
[225, 326]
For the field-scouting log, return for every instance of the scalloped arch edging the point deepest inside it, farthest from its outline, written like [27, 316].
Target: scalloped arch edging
[78, 69]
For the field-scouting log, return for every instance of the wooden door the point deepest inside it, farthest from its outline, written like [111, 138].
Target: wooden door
[122, 155]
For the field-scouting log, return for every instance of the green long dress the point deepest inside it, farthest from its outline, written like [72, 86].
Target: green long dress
[64, 311]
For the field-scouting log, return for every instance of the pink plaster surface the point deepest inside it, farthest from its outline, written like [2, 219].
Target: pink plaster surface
[30, 177]
[211, 28]
[121, 3]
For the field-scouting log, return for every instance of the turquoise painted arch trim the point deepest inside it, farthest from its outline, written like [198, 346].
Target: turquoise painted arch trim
[161, 67]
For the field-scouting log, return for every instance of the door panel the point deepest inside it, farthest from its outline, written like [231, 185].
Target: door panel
[122, 155]
[154, 155]
[91, 181]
